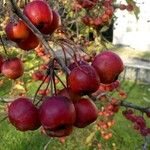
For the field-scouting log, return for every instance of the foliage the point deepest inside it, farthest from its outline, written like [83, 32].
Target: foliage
[124, 136]
[46, 48]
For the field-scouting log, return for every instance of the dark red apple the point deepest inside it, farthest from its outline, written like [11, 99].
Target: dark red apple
[30, 43]
[60, 132]
[40, 14]
[108, 65]
[77, 64]
[69, 94]
[57, 113]
[17, 31]
[56, 22]
[13, 68]
[23, 115]
[86, 112]
[83, 80]
[1, 62]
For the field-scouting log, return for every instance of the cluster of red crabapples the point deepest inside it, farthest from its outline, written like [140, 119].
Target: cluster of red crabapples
[84, 79]
[46, 21]
[139, 123]
[60, 112]
[102, 18]
[106, 114]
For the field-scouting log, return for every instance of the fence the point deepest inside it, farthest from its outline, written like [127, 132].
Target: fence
[136, 73]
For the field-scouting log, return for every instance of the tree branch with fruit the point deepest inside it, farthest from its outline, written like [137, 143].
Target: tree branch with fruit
[57, 111]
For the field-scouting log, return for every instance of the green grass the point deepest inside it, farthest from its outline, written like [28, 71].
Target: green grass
[124, 137]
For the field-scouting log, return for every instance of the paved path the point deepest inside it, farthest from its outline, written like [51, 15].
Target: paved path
[136, 62]
[130, 60]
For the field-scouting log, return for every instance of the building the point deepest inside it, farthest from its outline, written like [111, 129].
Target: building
[132, 32]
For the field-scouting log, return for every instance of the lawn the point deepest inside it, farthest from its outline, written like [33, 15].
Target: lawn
[124, 137]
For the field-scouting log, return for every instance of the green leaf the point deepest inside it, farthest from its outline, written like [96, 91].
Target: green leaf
[136, 11]
[104, 28]
[98, 137]
[90, 138]
[5, 87]
[130, 1]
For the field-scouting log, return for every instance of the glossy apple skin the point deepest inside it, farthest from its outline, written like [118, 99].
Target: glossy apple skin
[1, 62]
[86, 112]
[56, 22]
[30, 43]
[17, 31]
[13, 68]
[69, 94]
[83, 80]
[59, 133]
[23, 115]
[108, 65]
[40, 14]
[57, 113]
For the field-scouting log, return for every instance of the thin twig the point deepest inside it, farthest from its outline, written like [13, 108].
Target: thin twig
[126, 104]
[131, 105]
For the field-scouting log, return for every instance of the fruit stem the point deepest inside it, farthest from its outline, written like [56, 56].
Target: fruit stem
[43, 95]
[63, 49]
[60, 80]
[51, 88]
[3, 46]
[52, 74]
[54, 83]
[75, 57]
[68, 44]
[39, 88]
